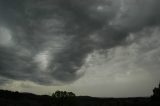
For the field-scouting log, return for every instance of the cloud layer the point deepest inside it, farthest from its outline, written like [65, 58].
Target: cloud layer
[48, 42]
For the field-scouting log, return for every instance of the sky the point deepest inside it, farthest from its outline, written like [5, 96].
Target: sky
[102, 48]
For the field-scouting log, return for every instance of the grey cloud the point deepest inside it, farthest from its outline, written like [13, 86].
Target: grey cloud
[69, 31]
[3, 81]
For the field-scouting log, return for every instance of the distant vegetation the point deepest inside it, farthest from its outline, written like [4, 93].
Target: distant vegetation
[64, 98]
[156, 93]
[63, 94]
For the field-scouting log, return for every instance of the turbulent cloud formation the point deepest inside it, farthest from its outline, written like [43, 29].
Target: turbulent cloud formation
[48, 41]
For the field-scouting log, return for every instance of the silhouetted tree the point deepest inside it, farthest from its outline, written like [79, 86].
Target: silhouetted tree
[63, 98]
[71, 94]
[63, 94]
[156, 93]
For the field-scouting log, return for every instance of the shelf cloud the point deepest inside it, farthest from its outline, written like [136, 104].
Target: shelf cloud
[48, 41]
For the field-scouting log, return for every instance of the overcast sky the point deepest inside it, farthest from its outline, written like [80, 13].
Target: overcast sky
[104, 48]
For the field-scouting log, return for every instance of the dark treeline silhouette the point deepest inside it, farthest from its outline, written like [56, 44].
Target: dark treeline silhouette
[156, 94]
[64, 98]
[59, 98]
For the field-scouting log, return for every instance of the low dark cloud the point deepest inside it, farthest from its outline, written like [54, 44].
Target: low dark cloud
[50, 40]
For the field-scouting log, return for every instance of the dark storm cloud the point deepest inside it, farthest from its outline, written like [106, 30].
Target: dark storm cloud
[68, 30]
